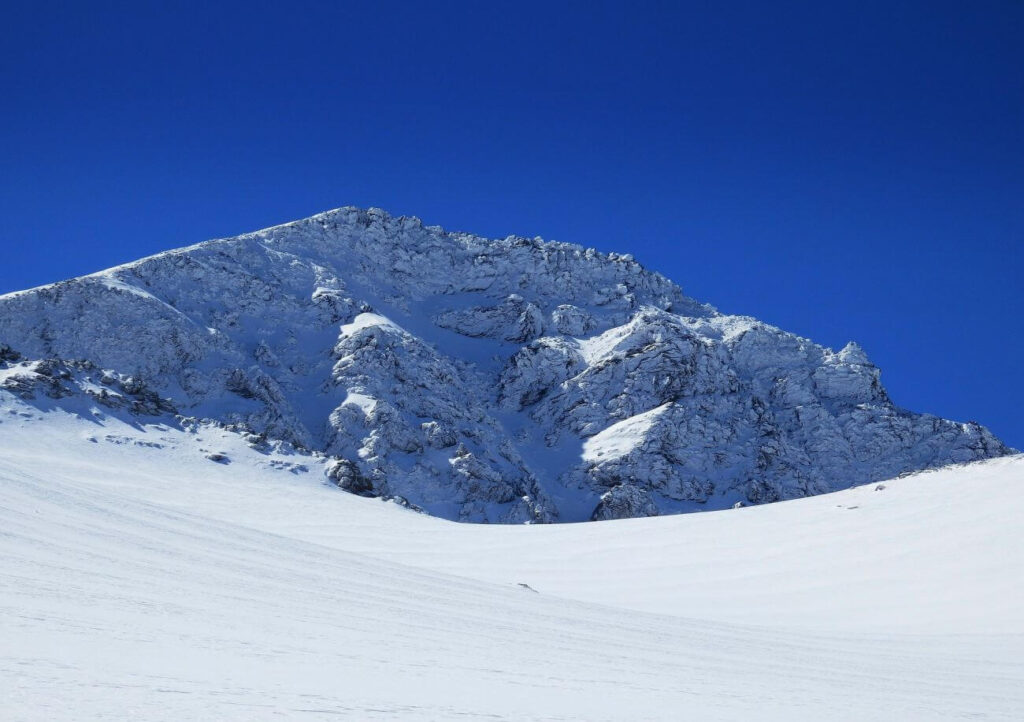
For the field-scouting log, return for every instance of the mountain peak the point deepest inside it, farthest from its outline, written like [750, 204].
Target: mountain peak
[479, 379]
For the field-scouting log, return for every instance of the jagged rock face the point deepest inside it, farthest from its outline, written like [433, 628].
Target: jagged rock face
[503, 381]
[625, 501]
[54, 379]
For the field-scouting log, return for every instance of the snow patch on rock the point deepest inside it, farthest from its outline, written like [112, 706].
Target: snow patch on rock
[622, 437]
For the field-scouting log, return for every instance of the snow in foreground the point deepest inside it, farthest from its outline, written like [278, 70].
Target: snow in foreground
[140, 580]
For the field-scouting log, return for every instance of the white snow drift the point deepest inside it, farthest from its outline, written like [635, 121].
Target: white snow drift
[151, 572]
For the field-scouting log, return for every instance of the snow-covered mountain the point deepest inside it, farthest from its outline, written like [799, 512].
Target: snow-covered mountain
[480, 380]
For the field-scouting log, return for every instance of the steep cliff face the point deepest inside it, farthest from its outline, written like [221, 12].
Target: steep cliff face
[481, 380]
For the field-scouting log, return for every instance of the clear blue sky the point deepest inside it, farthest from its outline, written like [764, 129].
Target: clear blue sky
[849, 170]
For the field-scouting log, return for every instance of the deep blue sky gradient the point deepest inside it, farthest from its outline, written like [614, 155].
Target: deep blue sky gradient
[849, 170]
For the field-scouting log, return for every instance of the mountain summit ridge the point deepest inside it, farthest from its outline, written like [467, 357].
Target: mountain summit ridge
[503, 380]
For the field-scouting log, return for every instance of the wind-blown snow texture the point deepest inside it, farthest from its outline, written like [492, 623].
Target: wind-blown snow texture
[480, 380]
[140, 580]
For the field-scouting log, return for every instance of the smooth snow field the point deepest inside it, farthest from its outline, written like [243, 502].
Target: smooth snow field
[141, 580]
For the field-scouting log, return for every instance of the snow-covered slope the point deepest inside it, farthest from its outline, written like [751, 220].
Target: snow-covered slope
[149, 571]
[480, 380]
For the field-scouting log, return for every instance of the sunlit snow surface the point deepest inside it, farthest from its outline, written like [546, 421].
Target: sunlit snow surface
[621, 438]
[141, 580]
